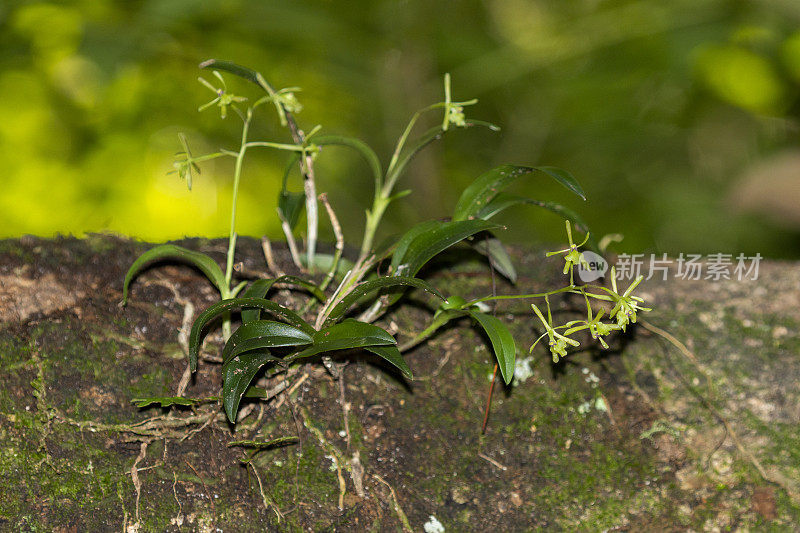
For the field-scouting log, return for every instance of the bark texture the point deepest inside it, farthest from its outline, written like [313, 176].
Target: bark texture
[645, 436]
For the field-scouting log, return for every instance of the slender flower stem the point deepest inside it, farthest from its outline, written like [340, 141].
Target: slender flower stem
[207, 157]
[569, 288]
[383, 196]
[237, 174]
[374, 216]
[389, 184]
[277, 146]
[381, 199]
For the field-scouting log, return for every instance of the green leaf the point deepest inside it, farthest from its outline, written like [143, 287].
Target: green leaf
[264, 444]
[498, 257]
[428, 239]
[484, 189]
[237, 377]
[362, 289]
[263, 334]
[361, 147]
[235, 303]
[392, 354]
[503, 201]
[502, 343]
[171, 252]
[408, 237]
[229, 66]
[345, 335]
[260, 288]
[166, 401]
[564, 178]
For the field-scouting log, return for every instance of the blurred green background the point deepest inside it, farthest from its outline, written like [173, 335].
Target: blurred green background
[679, 118]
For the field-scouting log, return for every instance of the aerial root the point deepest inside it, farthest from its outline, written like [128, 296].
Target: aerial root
[396, 504]
[269, 503]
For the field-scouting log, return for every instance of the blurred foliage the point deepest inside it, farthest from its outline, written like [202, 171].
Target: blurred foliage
[661, 109]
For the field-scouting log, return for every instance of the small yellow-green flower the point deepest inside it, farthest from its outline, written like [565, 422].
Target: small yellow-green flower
[185, 165]
[557, 342]
[288, 100]
[597, 328]
[456, 116]
[625, 304]
[223, 99]
[573, 257]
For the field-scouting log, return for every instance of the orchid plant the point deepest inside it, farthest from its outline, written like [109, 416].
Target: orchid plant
[270, 334]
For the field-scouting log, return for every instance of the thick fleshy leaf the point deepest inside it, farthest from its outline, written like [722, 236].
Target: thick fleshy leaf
[505, 349]
[171, 252]
[238, 375]
[263, 334]
[432, 239]
[361, 290]
[257, 289]
[236, 303]
[484, 189]
[345, 335]
[498, 256]
[503, 201]
[391, 354]
[260, 288]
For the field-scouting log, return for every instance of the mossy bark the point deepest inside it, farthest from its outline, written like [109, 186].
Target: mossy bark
[704, 439]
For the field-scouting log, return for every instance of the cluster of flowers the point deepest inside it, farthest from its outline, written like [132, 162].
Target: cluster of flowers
[624, 306]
